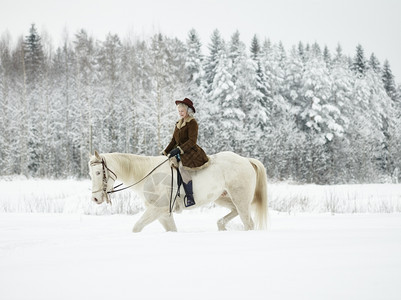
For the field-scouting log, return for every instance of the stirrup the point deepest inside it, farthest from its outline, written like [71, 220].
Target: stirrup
[188, 201]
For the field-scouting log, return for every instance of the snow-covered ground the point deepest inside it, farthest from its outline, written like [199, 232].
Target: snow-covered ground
[302, 256]
[69, 249]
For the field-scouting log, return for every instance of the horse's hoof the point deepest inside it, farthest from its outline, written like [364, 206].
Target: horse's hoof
[136, 230]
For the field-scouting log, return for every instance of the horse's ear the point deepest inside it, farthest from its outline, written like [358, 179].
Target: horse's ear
[97, 155]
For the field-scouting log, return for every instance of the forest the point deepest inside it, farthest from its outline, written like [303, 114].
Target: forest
[309, 113]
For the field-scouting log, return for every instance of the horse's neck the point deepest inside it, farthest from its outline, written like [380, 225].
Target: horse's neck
[130, 168]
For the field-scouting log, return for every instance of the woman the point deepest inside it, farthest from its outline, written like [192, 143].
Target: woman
[183, 145]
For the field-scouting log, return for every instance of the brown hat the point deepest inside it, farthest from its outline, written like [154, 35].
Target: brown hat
[187, 102]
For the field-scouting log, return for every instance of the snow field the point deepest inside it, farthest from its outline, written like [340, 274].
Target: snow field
[318, 246]
[302, 256]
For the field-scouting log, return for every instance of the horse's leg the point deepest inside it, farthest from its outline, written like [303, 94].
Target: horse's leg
[243, 207]
[150, 215]
[226, 202]
[168, 222]
[158, 201]
[245, 215]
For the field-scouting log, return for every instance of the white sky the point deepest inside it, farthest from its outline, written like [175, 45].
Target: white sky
[376, 24]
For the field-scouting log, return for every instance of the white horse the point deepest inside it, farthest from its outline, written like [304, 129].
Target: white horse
[230, 180]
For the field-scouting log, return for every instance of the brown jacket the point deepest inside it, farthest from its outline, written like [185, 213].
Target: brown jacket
[185, 137]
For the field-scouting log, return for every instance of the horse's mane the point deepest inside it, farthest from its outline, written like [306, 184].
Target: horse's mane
[131, 165]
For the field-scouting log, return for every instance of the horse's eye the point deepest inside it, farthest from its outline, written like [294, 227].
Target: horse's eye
[98, 173]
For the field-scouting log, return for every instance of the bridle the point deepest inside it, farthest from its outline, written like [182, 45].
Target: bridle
[105, 179]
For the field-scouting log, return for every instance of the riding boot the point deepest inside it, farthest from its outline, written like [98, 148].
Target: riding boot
[189, 196]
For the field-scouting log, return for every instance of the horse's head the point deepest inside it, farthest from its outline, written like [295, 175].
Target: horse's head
[102, 182]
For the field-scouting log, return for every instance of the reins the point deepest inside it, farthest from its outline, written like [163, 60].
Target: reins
[114, 190]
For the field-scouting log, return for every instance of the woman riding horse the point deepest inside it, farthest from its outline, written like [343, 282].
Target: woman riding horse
[184, 147]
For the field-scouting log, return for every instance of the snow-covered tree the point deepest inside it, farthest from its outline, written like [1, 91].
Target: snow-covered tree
[311, 116]
[262, 104]
[167, 72]
[62, 80]
[34, 63]
[388, 81]
[249, 104]
[34, 57]
[194, 58]
[85, 96]
[226, 106]
[216, 45]
[317, 112]
[293, 80]
[274, 60]
[374, 63]
[359, 64]
[195, 84]
[110, 112]
[6, 131]
[327, 57]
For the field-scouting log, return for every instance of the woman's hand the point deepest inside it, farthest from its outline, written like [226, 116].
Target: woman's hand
[174, 152]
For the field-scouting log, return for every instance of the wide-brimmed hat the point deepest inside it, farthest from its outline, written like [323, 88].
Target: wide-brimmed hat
[187, 102]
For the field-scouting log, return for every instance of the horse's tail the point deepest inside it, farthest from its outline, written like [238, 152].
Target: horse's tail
[260, 196]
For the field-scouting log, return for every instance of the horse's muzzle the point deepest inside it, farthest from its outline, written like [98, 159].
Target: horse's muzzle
[99, 199]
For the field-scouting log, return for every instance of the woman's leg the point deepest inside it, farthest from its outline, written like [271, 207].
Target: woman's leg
[187, 182]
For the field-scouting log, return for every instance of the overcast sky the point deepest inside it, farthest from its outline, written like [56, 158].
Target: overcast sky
[375, 24]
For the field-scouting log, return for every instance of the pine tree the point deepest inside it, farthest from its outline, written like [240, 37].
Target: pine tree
[250, 112]
[256, 56]
[236, 51]
[195, 85]
[34, 64]
[327, 57]
[255, 48]
[293, 80]
[212, 60]
[301, 51]
[340, 58]
[317, 112]
[342, 80]
[374, 63]
[227, 106]
[34, 57]
[388, 81]
[194, 59]
[316, 51]
[275, 63]
[359, 64]
[263, 99]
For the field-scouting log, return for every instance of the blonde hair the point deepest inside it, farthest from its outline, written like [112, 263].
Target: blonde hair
[189, 110]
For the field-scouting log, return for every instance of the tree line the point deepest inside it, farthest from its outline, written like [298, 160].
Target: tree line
[308, 113]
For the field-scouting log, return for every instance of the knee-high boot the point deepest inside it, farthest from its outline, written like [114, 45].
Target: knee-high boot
[189, 195]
